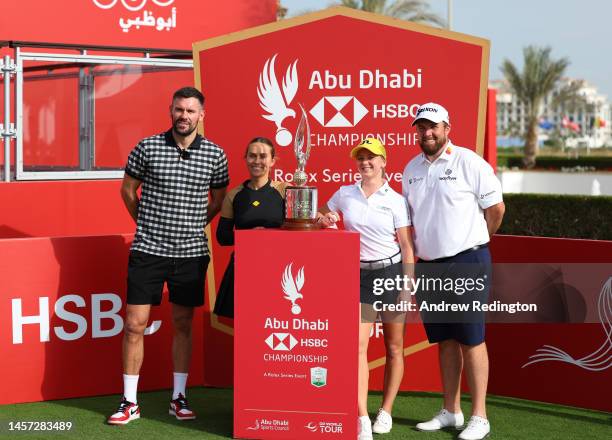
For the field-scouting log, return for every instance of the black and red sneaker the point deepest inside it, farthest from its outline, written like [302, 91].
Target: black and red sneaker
[126, 412]
[180, 409]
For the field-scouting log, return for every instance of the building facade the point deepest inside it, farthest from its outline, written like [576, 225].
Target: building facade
[587, 124]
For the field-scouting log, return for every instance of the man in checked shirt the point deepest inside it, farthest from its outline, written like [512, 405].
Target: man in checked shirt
[178, 170]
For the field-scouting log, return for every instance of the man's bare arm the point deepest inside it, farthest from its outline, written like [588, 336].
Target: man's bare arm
[216, 200]
[493, 216]
[129, 194]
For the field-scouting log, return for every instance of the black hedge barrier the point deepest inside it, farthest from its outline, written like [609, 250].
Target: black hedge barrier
[563, 216]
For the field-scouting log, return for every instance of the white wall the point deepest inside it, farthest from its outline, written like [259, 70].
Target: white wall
[556, 182]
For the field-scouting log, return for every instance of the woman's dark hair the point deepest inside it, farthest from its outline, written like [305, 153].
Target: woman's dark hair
[261, 140]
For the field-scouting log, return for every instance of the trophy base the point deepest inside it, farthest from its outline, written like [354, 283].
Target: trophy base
[300, 225]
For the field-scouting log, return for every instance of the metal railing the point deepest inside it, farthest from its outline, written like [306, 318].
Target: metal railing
[58, 57]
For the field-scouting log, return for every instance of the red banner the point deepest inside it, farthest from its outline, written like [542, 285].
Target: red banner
[61, 321]
[163, 24]
[296, 332]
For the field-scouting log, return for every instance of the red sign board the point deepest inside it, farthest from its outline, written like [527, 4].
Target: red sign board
[356, 74]
[62, 316]
[163, 24]
[296, 334]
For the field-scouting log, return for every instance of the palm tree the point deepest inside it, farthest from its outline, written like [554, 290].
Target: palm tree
[539, 77]
[411, 10]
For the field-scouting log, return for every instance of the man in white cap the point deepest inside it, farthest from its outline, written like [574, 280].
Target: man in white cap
[455, 204]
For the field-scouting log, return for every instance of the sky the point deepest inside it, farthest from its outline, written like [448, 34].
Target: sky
[578, 30]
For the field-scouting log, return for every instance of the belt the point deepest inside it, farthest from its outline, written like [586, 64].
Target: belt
[472, 249]
[475, 248]
[379, 264]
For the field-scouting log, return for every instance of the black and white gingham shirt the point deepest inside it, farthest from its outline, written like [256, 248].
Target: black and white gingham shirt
[174, 199]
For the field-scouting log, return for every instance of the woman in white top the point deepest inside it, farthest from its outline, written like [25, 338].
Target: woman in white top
[380, 215]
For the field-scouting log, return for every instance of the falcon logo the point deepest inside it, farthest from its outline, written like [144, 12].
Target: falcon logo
[281, 341]
[338, 111]
[274, 101]
[254, 427]
[291, 287]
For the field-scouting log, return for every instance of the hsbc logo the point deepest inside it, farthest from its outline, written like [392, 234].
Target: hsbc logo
[281, 341]
[104, 318]
[338, 111]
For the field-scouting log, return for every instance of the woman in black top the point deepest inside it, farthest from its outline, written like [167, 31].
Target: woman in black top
[256, 203]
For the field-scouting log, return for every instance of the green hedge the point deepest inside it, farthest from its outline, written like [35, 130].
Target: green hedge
[564, 216]
[556, 162]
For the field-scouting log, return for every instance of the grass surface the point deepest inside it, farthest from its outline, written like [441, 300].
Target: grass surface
[510, 418]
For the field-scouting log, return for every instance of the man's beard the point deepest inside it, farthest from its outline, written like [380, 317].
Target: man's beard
[432, 150]
[186, 132]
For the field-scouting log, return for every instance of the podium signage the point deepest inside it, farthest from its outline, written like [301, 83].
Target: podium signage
[296, 334]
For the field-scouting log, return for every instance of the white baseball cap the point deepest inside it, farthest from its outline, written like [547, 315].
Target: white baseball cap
[432, 112]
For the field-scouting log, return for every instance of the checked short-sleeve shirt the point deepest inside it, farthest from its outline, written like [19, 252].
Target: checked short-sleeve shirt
[174, 200]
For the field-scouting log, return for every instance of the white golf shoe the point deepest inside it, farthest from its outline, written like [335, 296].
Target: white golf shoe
[364, 428]
[383, 422]
[477, 429]
[442, 420]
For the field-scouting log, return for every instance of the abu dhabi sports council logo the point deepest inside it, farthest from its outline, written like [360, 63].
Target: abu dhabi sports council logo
[338, 111]
[292, 287]
[600, 359]
[281, 341]
[269, 425]
[274, 100]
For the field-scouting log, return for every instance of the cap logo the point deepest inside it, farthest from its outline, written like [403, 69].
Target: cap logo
[427, 109]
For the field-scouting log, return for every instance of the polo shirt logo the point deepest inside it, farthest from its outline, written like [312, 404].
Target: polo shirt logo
[448, 176]
[415, 180]
[255, 203]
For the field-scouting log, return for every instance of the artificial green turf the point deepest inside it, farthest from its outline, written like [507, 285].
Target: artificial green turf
[510, 418]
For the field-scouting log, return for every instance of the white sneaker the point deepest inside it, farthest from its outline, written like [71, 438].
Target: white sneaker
[442, 420]
[364, 428]
[477, 428]
[383, 422]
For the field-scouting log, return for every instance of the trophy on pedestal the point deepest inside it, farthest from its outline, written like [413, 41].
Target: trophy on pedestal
[301, 200]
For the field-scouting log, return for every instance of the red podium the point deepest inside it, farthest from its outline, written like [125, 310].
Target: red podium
[296, 334]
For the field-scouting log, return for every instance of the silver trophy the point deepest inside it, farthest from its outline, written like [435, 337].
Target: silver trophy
[300, 200]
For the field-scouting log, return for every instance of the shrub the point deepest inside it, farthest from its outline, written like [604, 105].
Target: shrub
[563, 216]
